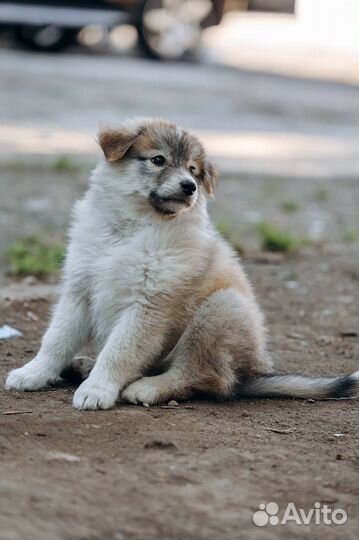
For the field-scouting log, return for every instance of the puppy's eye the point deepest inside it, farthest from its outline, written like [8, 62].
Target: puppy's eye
[193, 170]
[158, 160]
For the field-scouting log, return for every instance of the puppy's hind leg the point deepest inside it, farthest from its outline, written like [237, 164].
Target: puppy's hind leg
[224, 336]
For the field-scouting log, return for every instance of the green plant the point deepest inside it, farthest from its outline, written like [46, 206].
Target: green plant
[35, 256]
[289, 207]
[65, 164]
[351, 235]
[225, 230]
[275, 239]
[321, 195]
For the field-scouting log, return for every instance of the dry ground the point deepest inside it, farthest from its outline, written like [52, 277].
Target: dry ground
[198, 471]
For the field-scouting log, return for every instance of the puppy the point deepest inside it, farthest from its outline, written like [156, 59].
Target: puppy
[163, 297]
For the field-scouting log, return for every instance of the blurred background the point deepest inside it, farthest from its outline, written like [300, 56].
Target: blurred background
[269, 85]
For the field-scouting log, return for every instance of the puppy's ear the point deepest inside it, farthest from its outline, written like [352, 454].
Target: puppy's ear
[116, 142]
[210, 177]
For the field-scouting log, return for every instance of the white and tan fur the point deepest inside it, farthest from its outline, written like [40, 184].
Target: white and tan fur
[161, 294]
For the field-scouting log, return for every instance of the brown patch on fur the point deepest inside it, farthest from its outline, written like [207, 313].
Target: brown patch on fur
[210, 177]
[224, 280]
[208, 364]
[223, 272]
[207, 381]
[144, 143]
[116, 142]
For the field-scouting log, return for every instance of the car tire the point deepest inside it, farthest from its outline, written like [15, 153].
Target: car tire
[44, 38]
[146, 42]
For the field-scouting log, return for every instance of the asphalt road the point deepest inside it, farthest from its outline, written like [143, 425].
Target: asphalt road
[250, 121]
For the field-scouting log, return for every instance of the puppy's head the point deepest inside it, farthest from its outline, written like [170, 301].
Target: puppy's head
[160, 164]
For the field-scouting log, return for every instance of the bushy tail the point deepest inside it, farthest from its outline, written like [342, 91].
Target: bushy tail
[301, 386]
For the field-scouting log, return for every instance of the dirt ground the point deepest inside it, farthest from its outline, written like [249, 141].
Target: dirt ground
[201, 470]
[198, 471]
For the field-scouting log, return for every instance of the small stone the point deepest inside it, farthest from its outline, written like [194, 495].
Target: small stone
[32, 316]
[327, 312]
[29, 280]
[173, 403]
[311, 400]
[62, 456]
[323, 341]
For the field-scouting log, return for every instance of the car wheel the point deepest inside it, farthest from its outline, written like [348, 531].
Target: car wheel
[48, 38]
[171, 29]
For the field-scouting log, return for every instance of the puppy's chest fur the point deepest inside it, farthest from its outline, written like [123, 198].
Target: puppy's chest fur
[152, 269]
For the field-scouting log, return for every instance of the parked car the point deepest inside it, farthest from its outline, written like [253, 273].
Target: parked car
[167, 29]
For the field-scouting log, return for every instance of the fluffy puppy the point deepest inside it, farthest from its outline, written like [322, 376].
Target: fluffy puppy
[149, 280]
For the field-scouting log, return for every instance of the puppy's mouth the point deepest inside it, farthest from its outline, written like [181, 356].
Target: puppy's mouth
[167, 206]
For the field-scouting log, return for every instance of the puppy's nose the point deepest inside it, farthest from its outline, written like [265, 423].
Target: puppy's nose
[188, 187]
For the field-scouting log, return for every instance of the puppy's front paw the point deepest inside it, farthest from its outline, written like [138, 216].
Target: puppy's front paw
[143, 391]
[92, 395]
[32, 376]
